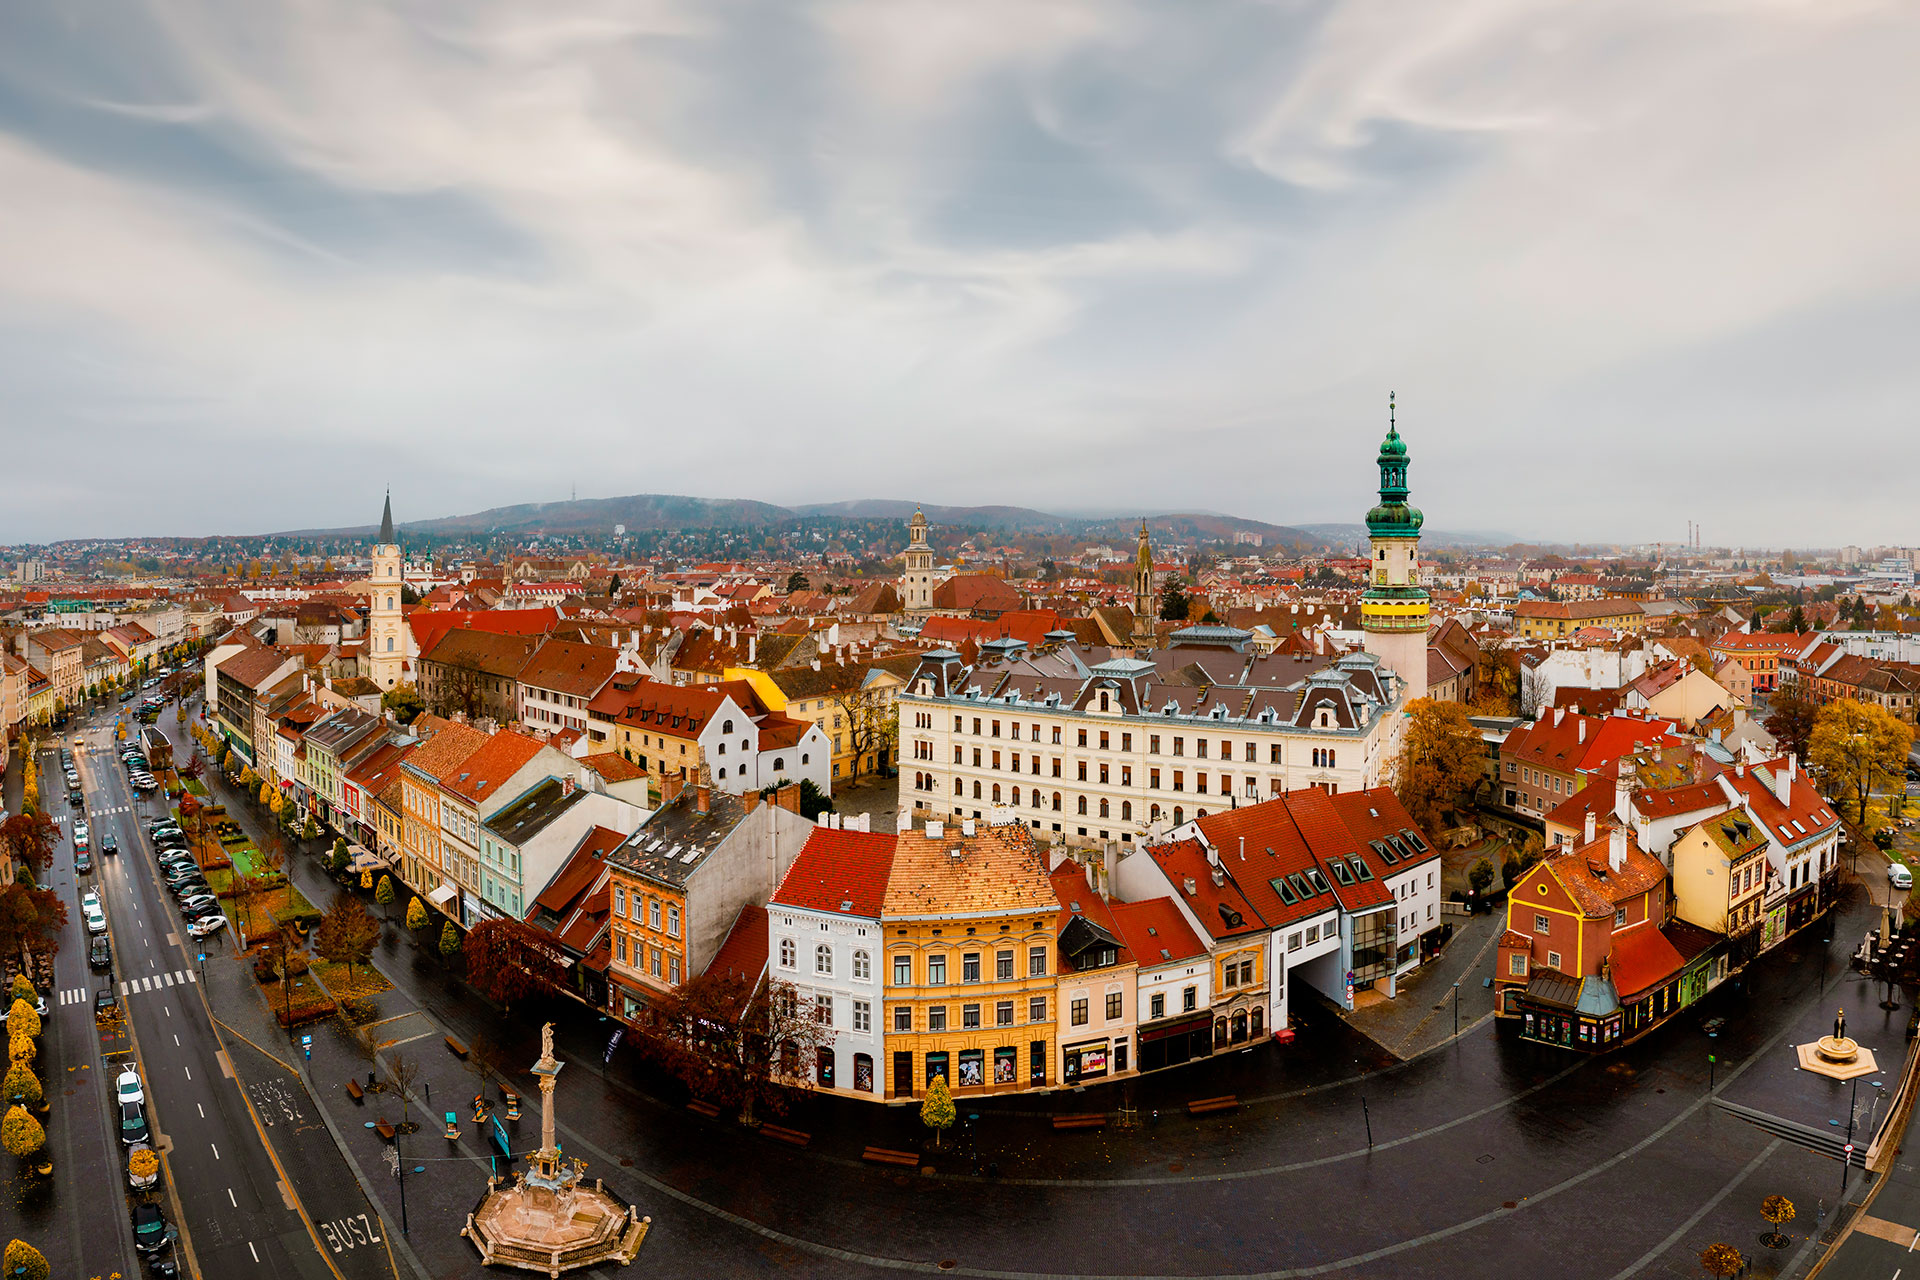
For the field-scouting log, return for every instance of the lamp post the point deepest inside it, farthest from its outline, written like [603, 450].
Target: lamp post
[1456, 1011]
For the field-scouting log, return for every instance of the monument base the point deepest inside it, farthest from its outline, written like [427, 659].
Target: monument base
[1836, 1058]
[542, 1228]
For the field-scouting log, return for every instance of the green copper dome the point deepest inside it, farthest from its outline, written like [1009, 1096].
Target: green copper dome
[1393, 518]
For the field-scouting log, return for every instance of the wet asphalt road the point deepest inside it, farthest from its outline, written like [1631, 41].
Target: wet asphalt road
[221, 1188]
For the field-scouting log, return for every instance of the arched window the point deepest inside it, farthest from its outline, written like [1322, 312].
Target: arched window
[389, 644]
[1056, 802]
[1103, 808]
[996, 793]
[779, 763]
[1103, 700]
[786, 953]
[823, 959]
[1083, 806]
[862, 966]
[723, 772]
[1126, 810]
[389, 602]
[1153, 814]
[803, 757]
[726, 726]
[1179, 815]
[976, 790]
[1036, 797]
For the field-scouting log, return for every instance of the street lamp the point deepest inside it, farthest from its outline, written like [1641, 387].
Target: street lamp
[1456, 1011]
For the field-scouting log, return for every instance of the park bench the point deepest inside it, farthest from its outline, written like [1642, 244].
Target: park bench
[1088, 1120]
[880, 1155]
[1207, 1106]
[355, 1092]
[384, 1128]
[706, 1109]
[792, 1137]
[455, 1048]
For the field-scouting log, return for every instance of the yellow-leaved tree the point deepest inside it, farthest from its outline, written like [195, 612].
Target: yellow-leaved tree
[1855, 745]
[1442, 761]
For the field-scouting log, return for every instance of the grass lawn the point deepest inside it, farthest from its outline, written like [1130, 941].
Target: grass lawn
[366, 981]
[273, 902]
[246, 859]
[197, 787]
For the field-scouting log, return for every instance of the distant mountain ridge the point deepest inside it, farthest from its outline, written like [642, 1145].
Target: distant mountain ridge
[1353, 535]
[650, 511]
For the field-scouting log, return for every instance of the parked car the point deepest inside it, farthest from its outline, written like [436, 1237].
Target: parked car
[1898, 876]
[127, 1086]
[81, 833]
[151, 1234]
[75, 799]
[212, 924]
[151, 1180]
[39, 1007]
[100, 952]
[133, 1123]
[82, 862]
[103, 1001]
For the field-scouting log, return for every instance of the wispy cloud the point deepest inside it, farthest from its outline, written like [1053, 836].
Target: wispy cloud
[1625, 264]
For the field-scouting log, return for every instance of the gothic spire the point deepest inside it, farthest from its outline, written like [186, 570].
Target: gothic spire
[386, 522]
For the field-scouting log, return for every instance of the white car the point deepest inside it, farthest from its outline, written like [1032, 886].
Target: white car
[96, 921]
[90, 901]
[127, 1086]
[1898, 876]
[81, 833]
[212, 924]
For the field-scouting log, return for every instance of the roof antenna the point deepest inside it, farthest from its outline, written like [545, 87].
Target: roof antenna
[1390, 427]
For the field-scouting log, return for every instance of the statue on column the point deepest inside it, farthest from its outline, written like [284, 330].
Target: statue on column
[1840, 1024]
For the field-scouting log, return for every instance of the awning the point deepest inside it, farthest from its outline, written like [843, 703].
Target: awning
[364, 859]
[1185, 1026]
[443, 895]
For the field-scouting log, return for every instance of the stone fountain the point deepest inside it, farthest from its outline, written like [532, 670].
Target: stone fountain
[548, 1219]
[1836, 1056]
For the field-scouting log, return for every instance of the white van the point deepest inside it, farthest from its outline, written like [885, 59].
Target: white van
[1898, 876]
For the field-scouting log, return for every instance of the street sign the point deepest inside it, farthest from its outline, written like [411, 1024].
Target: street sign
[306, 1047]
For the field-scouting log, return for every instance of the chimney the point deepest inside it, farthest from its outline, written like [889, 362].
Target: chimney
[1793, 766]
[1783, 784]
[670, 788]
[788, 797]
[936, 830]
[1213, 856]
[1617, 848]
[751, 800]
[966, 827]
[1586, 831]
[1219, 875]
[752, 644]
[1191, 886]
[1623, 795]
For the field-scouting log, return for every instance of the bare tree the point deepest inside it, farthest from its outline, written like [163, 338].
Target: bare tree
[404, 1072]
[1535, 688]
[871, 722]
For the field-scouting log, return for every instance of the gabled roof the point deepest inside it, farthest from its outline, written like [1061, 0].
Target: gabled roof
[1155, 932]
[1001, 870]
[478, 778]
[844, 872]
[1221, 908]
[745, 950]
[1085, 921]
[581, 670]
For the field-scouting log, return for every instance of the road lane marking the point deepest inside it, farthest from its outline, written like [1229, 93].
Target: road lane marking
[189, 1071]
[191, 977]
[168, 977]
[231, 1200]
[123, 988]
[176, 1042]
[216, 1151]
[202, 1110]
[250, 1249]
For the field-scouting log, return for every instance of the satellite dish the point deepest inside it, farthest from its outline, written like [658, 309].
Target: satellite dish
[619, 531]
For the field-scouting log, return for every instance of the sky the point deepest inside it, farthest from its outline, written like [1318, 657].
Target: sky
[1624, 265]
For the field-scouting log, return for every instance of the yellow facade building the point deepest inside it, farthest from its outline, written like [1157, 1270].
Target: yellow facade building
[968, 923]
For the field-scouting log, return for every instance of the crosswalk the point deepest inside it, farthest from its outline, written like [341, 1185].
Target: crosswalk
[117, 809]
[74, 995]
[179, 977]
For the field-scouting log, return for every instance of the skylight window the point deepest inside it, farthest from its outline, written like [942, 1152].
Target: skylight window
[1360, 868]
[1340, 872]
[1300, 886]
[1414, 839]
[1400, 848]
[1387, 855]
[1319, 881]
[1280, 887]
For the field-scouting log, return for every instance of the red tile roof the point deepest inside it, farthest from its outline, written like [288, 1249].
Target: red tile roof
[745, 950]
[1185, 863]
[1155, 932]
[839, 871]
[429, 625]
[1642, 959]
[478, 778]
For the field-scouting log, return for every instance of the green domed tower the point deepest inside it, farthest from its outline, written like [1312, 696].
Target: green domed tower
[1393, 608]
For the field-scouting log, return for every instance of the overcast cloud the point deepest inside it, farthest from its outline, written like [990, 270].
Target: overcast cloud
[1625, 264]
